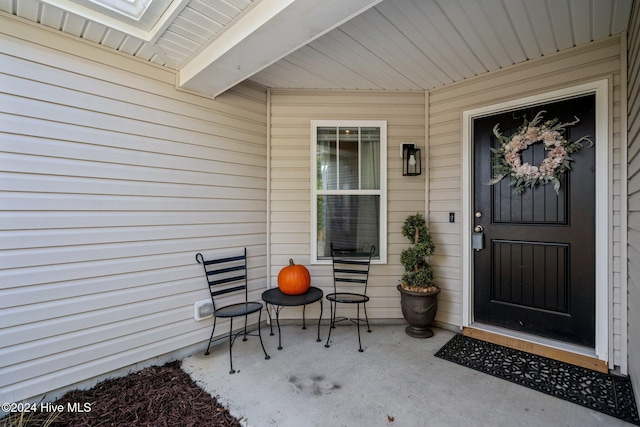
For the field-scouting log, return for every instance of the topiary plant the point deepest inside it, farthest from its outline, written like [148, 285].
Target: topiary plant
[418, 274]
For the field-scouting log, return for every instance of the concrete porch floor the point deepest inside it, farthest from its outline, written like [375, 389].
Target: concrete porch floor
[396, 381]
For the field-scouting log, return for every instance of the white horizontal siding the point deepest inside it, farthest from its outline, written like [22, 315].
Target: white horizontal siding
[110, 182]
[633, 157]
[291, 114]
[568, 68]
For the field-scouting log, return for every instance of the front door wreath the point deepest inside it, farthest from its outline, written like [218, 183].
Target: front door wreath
[507, 159]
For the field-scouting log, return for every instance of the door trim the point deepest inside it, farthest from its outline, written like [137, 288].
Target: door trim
[603, 200]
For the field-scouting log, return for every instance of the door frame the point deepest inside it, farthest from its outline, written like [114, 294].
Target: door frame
[603, 208]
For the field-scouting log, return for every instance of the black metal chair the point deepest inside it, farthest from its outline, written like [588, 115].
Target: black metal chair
[351, 272]
[224, 276]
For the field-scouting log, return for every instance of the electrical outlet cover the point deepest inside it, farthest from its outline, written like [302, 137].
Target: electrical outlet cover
[203, 309]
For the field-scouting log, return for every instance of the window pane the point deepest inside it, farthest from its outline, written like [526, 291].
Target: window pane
[370, 137]
[348, 222]
[327, 162]
[348, 175]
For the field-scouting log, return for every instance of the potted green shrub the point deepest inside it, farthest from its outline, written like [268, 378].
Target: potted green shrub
[418, 290]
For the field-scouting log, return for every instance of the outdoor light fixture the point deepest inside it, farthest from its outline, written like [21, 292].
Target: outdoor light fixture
[411, 161]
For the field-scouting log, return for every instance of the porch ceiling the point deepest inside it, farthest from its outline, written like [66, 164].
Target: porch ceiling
[334, 44]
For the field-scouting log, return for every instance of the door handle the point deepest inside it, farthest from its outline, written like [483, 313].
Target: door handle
[477, 238]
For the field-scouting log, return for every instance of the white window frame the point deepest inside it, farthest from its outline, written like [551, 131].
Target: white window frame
[382, 191]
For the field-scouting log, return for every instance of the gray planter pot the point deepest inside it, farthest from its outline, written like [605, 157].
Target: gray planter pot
[419, 309]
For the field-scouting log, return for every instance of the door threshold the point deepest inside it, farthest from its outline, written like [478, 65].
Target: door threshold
[553, 349]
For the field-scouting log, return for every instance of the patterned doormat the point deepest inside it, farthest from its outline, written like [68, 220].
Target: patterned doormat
[609, 394]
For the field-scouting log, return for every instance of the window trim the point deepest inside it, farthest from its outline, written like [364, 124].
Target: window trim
[382, 124]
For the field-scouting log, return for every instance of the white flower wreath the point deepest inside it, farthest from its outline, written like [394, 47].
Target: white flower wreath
[507, 160]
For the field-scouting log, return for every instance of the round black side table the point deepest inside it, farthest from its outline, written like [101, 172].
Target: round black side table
[278, 301]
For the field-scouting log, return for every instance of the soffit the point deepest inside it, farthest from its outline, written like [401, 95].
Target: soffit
[332, 44]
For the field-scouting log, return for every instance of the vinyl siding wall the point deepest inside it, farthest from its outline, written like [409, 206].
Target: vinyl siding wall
[634, 198]
[110, 182]
[291, 115]
[593, 62]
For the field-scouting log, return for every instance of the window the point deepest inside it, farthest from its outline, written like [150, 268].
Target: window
[349, 182]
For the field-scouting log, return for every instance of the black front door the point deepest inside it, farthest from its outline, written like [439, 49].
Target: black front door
[536, 273]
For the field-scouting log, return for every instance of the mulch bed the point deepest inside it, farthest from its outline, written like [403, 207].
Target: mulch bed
[155, 396]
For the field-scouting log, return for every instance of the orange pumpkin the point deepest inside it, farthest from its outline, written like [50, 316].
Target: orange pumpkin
[294, 279]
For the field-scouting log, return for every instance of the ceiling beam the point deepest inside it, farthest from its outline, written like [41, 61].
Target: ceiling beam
[266, 33]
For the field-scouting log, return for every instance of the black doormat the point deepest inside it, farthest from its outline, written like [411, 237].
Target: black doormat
[609, 394]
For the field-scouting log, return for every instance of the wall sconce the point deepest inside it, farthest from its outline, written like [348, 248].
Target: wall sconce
[411, 160]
